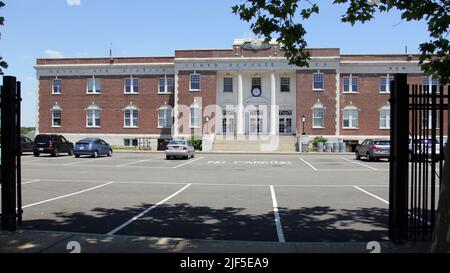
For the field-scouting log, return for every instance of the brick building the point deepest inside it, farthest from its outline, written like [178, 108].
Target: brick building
[245, 91]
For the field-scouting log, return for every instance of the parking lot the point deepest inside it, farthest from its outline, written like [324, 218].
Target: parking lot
[284, 198]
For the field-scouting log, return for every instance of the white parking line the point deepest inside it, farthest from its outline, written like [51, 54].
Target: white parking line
[32, 181]
[67, 195]
[84, 161]
[114, 231]
[189, 162]
[309, 164]
[280, 233]
[361, 164]
[134, 162]
[373, 195]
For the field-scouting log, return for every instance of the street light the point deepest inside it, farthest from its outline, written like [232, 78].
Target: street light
[303, 124]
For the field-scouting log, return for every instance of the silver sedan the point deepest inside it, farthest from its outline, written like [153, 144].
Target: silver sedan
[180, 148]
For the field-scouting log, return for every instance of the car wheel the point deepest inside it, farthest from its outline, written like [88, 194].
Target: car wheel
[357, 156]
[368, 157]
[56, 153]
[77, 156]
[36, 154]
[95, 154]
[192, 155]
[167, 157]
[70, 152]
[110, 152]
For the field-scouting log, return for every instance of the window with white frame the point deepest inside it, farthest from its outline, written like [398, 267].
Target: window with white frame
[351, 117]
[427, 119]
[93, 86]
[130, 142]
[194, 120]
[430, 84]
[93, 116]
[166, 85]
[318, 81]
[385, 84]
[385, 117]
[318, 116]
[194, 82]
[56, 86]
[131, 117]
[165, 117]
[256, 83]
[131, 85]
[228, 84]
[351, 84]
[285, 83]
[56, 116]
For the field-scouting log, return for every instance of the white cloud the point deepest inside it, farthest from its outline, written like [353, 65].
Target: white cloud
[30, 78]
[73, 2]
[54, 53]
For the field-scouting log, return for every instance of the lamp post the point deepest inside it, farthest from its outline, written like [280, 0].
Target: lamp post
[207, 124]
[303, 125]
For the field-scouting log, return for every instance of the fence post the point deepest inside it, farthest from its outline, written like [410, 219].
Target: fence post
[9, 152]
[398, 173]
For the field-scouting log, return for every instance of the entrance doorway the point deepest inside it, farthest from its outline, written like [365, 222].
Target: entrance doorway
[285, 122]
[228, 123]
[255, 122]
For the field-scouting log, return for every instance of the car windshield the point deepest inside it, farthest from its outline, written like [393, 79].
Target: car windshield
[85, 141]
[382, 142]
[177, 142]
[44, 138]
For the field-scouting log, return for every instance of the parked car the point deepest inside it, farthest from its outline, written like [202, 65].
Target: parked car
[26, 145]
[421, 149]
[93, 147]
[52, 144]
[180, 148]
[373, 149]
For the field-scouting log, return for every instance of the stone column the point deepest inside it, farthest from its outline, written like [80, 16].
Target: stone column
[175, 106]
[240, 105]
[273, 104]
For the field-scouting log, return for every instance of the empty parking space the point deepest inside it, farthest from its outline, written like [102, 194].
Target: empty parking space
[254, 197]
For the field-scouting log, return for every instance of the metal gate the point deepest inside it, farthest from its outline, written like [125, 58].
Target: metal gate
[10, 174]
[417, 158]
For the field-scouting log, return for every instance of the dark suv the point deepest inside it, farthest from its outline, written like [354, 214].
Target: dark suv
[52, 144]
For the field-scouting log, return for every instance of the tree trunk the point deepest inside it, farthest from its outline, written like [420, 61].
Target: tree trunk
[441, 235]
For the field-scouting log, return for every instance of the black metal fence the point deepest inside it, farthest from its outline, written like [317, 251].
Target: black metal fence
[418, 138]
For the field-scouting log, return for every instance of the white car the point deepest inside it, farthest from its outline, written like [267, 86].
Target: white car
[421, 149]
[179, 148]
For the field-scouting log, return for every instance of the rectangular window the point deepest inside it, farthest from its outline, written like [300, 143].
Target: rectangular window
[318, 118]
[228, 84]
[385, 84]
[165, 118]
[56, 118]
[430, 82]
[93, 86]
[128, 142]
[166, 85]
[318, 81]
[195, 117]
[351, 84]
[93, 118]
[194, 82]
[131, 118]
[427, 119]
[256, 83]
[131, 86]
[385, 119]
[285, 84]
[56, 86]
[351, 119]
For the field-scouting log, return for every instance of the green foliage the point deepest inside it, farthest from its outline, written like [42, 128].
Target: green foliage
[3, 64]
[25, 130]
[196, 142]
[284, 20]
[319, 139]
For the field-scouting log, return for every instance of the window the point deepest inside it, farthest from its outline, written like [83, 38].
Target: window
[131, 116]
[93, 86]
[351, 84]
[56, 116]
[93, 116]
[256, 83]
[427, 119]
[195, 116]
[285, 84]
[56, 89]
[131, 85]
[429, 82]
[194, 82]
[228, 84]
[385, 117]
[165, 117]
[318, 116]
[318, 81]
[128, 142]
[351, 117]
[166, 85]
[385, 84]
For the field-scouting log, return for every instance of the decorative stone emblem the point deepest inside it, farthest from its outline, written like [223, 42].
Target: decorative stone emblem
[256, 45]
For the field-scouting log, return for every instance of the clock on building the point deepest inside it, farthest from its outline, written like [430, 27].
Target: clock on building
[256, 92]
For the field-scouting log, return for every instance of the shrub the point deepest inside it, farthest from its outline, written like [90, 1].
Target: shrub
[196, 142]
[319, 139]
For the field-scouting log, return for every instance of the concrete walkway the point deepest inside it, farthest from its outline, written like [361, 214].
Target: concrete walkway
[27, 241]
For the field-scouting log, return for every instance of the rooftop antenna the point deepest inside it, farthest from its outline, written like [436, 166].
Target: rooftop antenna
[111, 59]
[406, 49]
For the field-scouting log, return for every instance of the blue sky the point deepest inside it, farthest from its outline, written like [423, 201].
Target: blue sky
[86, 28]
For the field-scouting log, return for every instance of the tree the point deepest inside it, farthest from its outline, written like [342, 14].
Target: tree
[3, 64]
[283, 19]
